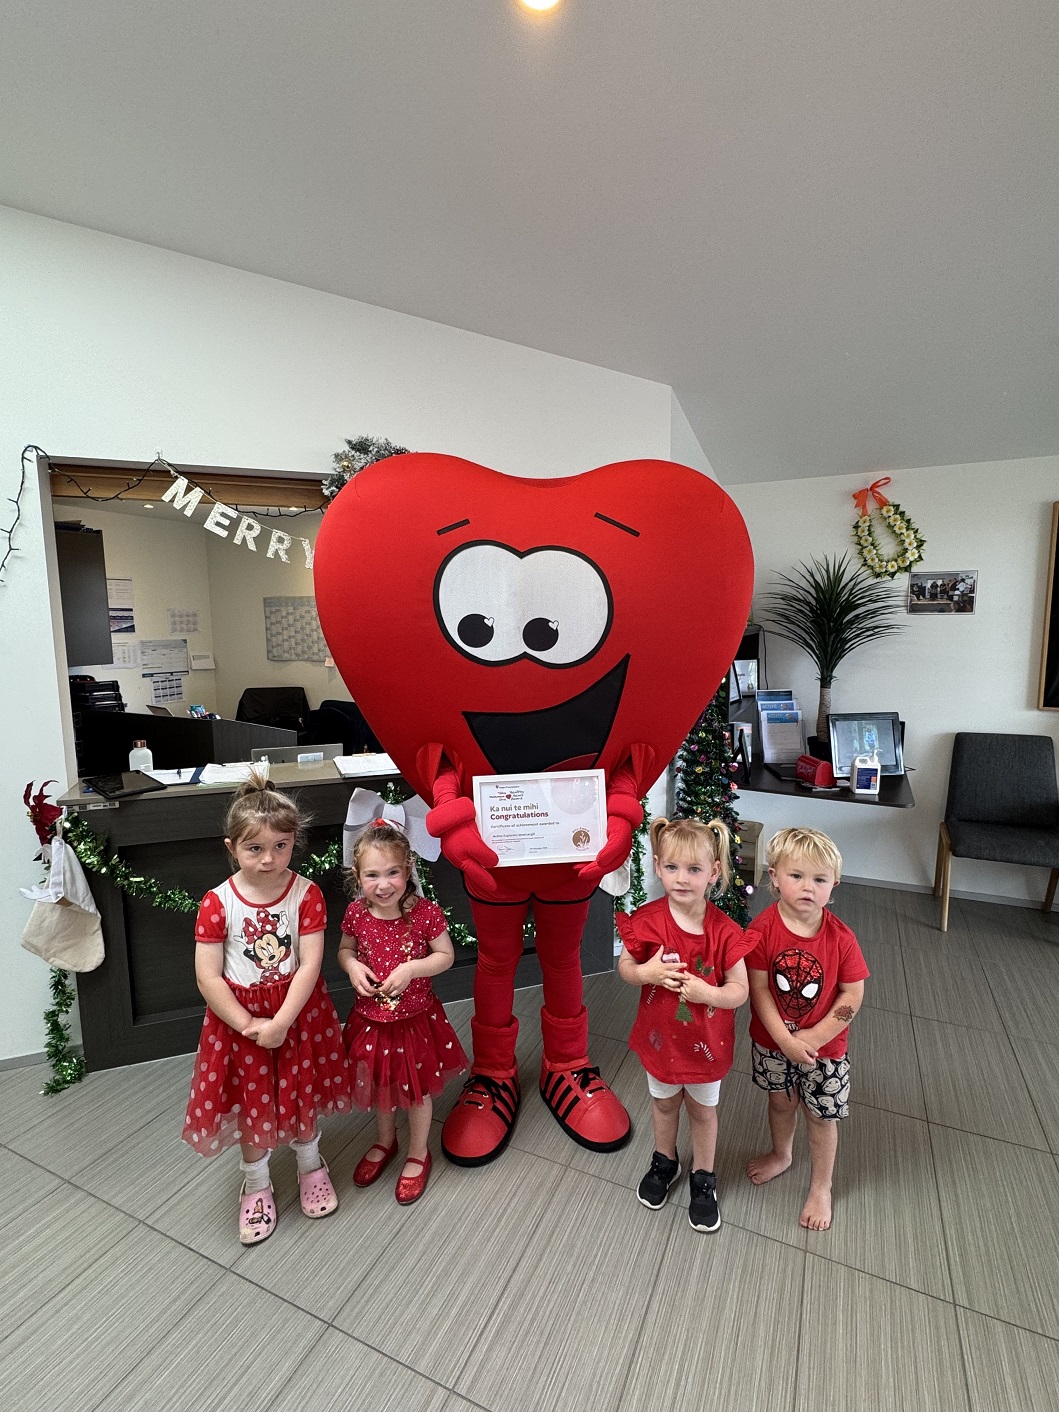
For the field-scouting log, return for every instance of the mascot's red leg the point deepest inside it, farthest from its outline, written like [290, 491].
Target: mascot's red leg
[479, 1126]
[581, 1102]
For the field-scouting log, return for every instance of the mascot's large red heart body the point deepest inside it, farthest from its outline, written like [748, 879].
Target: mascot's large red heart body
[488, 624]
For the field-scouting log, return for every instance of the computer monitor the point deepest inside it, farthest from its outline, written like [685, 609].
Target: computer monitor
[856, 733]
[288, 754]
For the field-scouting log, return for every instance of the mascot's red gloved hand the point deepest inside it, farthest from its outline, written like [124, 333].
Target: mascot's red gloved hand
[452, 820]
[624, 816]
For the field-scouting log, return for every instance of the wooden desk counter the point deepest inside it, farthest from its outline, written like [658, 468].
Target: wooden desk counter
[143, 1003]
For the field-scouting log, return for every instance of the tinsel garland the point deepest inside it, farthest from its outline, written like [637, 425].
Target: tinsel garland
[92, 852]
[637, 893]
[66, 1067]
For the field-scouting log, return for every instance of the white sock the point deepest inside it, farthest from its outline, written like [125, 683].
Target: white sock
[308, 1155]
[255, 1174]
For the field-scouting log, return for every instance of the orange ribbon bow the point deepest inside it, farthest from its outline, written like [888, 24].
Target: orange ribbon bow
[861, 496]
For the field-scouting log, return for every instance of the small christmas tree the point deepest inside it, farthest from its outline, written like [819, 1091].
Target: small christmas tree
[706, 790]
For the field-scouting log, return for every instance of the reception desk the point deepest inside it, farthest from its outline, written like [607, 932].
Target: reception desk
[142, 1003]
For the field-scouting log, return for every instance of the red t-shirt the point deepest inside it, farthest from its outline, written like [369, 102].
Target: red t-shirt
[691, 1044]
[804, 973]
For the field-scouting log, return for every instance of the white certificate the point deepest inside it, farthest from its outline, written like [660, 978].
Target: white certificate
[559, 817]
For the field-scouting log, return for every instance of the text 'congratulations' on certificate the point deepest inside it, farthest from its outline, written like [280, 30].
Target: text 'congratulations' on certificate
[552, 818]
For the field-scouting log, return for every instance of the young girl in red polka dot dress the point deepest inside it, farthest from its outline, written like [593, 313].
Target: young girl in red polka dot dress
[402, 1049]
[271, 1060]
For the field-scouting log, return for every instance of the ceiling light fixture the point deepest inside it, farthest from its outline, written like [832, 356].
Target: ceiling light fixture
[539, 4]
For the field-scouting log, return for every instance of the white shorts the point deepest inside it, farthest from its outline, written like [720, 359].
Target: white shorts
[706, 1094]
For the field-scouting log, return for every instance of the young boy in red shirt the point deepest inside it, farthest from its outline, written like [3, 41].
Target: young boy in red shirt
[806, 975]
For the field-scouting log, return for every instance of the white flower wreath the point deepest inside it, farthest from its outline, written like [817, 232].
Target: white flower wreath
[907, 544]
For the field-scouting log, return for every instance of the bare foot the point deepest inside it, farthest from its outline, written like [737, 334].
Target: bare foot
[768, 1165]
[816, 1213]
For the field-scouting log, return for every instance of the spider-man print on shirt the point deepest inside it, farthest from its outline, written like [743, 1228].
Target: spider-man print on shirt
[798, 979]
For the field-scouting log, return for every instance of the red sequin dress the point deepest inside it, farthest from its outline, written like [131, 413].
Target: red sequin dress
[399, 1054]
[239, 1091]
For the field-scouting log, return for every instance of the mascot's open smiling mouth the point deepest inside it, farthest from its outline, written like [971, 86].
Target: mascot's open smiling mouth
[568, 736]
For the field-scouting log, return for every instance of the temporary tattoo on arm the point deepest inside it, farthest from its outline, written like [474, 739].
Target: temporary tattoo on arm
[844, 1013]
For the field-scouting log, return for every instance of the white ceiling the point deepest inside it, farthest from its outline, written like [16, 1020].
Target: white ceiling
[832, 227]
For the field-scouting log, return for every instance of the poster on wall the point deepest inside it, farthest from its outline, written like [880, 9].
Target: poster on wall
[942, 591]
[119, 602]
[126, 653]
[292, 631]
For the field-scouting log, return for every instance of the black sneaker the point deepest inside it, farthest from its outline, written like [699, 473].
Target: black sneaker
[703, 1213]
[654, 1186]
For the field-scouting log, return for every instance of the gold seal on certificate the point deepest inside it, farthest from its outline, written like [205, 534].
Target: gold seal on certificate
[559, 817]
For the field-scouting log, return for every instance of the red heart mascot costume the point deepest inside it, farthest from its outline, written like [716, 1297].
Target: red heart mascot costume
[490, 624]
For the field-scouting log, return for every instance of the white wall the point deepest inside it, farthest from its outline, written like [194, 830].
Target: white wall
[684, 444]
[942, 674]
[165, 556]
[116, 350]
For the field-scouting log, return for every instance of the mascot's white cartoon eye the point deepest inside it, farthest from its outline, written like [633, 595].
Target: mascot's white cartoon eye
[812, 990]
[782, 983]
[496, 605]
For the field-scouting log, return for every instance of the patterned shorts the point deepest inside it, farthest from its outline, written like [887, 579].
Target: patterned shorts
[823, 1088]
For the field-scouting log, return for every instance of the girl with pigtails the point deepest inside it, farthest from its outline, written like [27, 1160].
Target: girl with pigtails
[687, 957]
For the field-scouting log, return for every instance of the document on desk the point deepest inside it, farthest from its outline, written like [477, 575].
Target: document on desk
[782, 737]
[353, 767]
[184, 776]
[232, 774]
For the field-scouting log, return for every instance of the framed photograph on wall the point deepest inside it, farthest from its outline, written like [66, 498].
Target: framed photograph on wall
[1048, 686]
[942, 590]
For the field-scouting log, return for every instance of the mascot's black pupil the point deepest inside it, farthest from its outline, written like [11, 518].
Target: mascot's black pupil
[539, 634]
[474, 630]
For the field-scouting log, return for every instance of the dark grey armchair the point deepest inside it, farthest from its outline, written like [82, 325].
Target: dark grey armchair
[1002, 807]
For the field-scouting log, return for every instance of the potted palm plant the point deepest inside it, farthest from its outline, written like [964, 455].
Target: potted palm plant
[829, 608]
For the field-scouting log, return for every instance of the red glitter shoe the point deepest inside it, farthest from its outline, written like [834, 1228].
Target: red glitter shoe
[410, 1189]
[369, 1169]
[586, 1108]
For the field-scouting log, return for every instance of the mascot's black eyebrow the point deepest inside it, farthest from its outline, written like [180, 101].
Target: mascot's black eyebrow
[617, 525]
[456, 524]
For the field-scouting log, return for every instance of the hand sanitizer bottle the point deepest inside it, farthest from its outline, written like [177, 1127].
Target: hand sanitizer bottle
[865, 773]
[140, 758]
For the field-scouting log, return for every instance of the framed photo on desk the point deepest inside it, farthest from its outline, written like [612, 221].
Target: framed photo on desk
[856, 733]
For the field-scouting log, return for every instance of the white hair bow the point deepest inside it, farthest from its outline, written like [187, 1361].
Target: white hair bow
[410, 817]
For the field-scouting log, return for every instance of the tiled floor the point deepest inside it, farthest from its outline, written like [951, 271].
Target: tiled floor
[539, 1282]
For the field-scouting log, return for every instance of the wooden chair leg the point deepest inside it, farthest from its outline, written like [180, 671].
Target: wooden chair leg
[940, 862]
[945, 848]
[1049, 896]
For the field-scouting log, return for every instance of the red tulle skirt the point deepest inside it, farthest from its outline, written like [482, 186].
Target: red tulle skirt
[398, 1063]
[267, 1097]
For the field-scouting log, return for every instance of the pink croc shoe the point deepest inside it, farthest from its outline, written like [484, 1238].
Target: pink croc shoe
[318, 1196]
[257, 1216]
